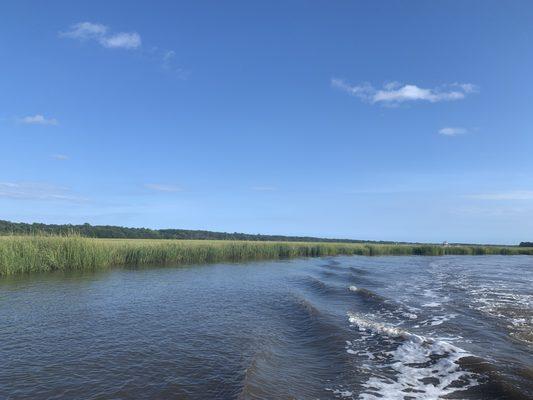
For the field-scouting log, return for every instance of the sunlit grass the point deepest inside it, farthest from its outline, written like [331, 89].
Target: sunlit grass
[24, 254]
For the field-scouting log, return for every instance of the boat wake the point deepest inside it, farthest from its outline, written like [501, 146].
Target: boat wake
[402, 365]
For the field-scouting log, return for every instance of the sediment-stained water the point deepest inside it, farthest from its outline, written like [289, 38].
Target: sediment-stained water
[345, 327]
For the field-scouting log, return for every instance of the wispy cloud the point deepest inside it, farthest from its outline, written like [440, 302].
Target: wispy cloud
[158, 187]
[169, 63]
[511, 195]
[493, 211]
[60, 157]
[38, 119]
[100, 33]
[168, 56]
[453, 131]
[103, 35]
[36, 191]
[394, 93]
[85, 31]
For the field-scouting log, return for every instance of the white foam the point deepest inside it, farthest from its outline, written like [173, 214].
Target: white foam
[415, 358]
[437, 320]
[432, 304]
[410, 315]
[367, 324]
[508, 303]
[342, 393]
[440, 319]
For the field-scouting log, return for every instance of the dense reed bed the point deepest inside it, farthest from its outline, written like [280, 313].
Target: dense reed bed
[24, 254]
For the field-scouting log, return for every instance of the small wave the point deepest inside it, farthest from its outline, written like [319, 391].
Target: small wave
[320, 287]
[392, 308]
[437, 320]
[515, 311]
[342, 274]
[314, 327]
[315, 284]
[298, 360]
[502, 298]
[250, 388]
[376, 327]
[339, 276]
[518, 386]
[419, 367]
[358, 271]
[333, 266]
[332, 263]
[308, 308]
[363, 292]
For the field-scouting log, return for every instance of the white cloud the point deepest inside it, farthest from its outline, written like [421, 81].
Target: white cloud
[38, 119]
[60, 157]
[103, 35]
[451, 131]
[84, 31]
[158, 187]
[36, 191]
[99, 33]
[512, 195]
[121, 40]
[394, 93]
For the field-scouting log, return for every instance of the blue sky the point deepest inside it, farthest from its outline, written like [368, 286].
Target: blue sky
[360, 119]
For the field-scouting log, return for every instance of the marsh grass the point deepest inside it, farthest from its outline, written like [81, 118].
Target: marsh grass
[26, 254]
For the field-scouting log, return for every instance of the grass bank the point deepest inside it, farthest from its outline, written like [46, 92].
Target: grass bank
[24, 254]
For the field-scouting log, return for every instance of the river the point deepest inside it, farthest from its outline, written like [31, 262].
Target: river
[456, 327]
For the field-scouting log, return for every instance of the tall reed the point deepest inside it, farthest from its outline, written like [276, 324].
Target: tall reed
[25, 254]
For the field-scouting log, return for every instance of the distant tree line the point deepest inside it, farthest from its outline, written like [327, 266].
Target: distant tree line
[120, 232]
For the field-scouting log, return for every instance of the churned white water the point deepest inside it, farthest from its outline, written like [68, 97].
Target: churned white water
[418, 367]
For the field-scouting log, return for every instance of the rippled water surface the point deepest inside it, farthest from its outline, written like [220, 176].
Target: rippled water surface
[344, 327]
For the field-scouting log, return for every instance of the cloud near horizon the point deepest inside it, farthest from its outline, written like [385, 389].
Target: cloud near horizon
[158, 187]
[511, 195]
[38, 119]
[395, 93]
[452, 131]
[100, 33]
[36, 191]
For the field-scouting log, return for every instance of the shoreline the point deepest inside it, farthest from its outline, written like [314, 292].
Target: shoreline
[27, 254]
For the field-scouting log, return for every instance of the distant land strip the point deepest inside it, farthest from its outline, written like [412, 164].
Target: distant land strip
[121, 232]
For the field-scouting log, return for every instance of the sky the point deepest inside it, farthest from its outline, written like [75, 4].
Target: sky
[378, 120]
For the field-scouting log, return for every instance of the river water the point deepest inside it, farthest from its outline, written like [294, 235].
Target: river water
[345, 327]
